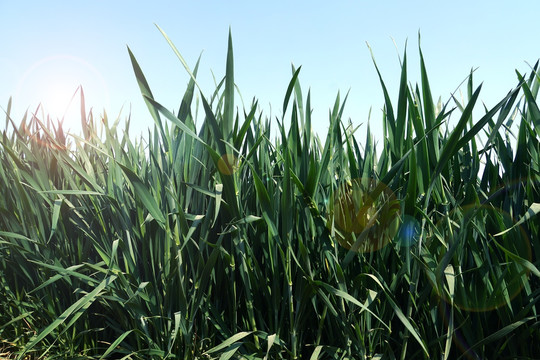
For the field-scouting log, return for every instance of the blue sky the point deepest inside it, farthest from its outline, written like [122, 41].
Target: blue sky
[50, 47]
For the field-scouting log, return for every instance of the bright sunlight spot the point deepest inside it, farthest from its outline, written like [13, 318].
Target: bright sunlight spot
[53, 83]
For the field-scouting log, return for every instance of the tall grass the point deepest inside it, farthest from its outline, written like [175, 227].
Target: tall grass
[219, 241]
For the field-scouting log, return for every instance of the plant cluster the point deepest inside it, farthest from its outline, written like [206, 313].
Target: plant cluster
[215, 240]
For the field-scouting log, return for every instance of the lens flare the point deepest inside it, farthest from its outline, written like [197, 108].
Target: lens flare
[228, 164]
[409, 231]
[53, 83]
[485, 276]
[364, 215]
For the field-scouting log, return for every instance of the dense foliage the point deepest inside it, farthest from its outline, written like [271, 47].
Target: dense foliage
[223, 240]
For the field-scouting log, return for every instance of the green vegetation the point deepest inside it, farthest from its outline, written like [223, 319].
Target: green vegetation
[219, 241]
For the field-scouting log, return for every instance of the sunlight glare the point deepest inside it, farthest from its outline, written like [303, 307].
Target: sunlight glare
[54, 81]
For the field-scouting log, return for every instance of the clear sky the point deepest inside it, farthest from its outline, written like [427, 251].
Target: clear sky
[50, 47]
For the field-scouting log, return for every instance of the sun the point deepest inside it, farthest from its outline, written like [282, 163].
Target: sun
[52, 85]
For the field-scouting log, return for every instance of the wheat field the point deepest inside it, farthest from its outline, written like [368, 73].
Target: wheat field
[226, 234]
